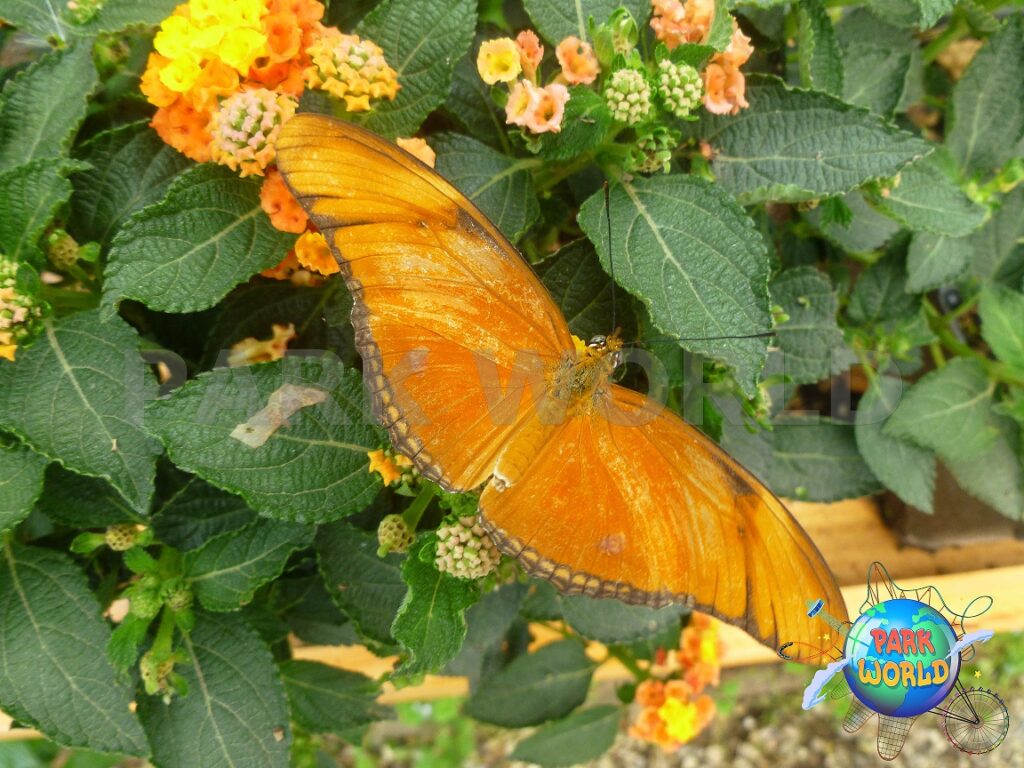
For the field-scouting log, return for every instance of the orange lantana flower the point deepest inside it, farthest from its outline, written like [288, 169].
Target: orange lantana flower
[578, 62]
[280, 204]
[314, 254]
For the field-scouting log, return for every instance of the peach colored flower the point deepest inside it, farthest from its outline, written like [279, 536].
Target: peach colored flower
[280, 205]
[579, 64]
[520, 100]
[725, 89]
[185, 128]
[675, 22]
[253, 350]
[498, 61]
[546, 112]
[419, 149]
[530, 53]
[290, 269]
[650, 693]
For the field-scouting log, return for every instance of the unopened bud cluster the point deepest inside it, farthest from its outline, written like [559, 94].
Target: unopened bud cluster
[20, 313]
[465, 550]
[394, 535]
[628, 96]
[680, 86]
[653, 151]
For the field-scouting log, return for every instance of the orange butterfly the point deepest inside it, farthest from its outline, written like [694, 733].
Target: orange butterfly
[590, 485]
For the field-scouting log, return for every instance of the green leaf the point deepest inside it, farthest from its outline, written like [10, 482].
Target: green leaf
[116, 15]
[186, 252]
[925, 199]
[810, 340]
[816, 459]
[794, 145]
[366, 588]
[76, 396]
[488, 622]
[325, 699]
[44, 105]
[558, 19]
[21, 482]
[431, 622]
[583, 291]
[290, 437]
[422, 41]
[1002, 324]
[821, 67]
[83, 502]
[903, 467]
[993, 84]
[54, 673]
[193, 511]
[42, 18]
[995, 476]
[934, 260]
[536, 687]
[235, 713]
[949, 411]
[29, 198]
[880, 294]
[320, 315]
[585, 125]
[612, 621]
[579, 738]
[470, 105]
[501, 186]
[868, 231]
[304, 606]
[692, 255]
[877, 59]
[912, 13]
[998, 247]
[720, 34]
[131, 167]
[226, 571]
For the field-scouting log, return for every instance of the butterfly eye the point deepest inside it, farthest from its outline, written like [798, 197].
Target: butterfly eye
[598, 342]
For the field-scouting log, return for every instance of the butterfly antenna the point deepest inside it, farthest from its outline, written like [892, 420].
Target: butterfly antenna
[676, 339]
[611, 260]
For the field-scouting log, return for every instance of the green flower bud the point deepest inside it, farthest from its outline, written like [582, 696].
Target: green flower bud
[680, 87]
[62, 250]
[628, 95]
[394, 535]
[653, 151]
[121, 537]
[145, 603]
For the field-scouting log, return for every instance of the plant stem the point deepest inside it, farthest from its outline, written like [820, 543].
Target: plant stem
[626, 660]
[419, 505]
[997, 371]
[953, 32]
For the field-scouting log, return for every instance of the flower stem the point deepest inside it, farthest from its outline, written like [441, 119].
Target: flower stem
[412, 514]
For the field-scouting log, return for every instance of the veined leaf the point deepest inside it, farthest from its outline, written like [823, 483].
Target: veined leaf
[488, 622]
[422, 41]
[612, 621]
[44, 105]
[793, 145]
[816, 459]
[131, 168]
[692, 255]
[933, 260]
[76, 396]
[83, 502]
[876, 58]
[366, 588]
[54, 673]
[29, 198]
[1002, 324]
[470, 105]
[186, 252]
[949, 411]
[579, 738]
[116, 15]
[193, 511]
[810, 339]
[868, 231]
[21, 482]
[926, 199]
[880, 294]
[998, 247]
[227, 570]
[905, 468]
[289, 437]
[558, 19]
[995, 476]
[821, 67]
[501, 186]
[325, 699]
[431, 622]
[993, 84]
[536, 687]
[42, 18]
[585, 125]
[235, 713]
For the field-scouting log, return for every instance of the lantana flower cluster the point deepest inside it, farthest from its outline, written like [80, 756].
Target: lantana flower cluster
[20, 311]
[226, 75]
[642, 95]
[673, 707]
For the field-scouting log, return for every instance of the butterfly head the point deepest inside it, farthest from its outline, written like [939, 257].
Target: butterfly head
[607, 348]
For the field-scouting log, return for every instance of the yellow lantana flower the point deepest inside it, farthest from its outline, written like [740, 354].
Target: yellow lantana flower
[383, 465]
[498, 61]
[680, 719]
[350, 68]
[180, 74]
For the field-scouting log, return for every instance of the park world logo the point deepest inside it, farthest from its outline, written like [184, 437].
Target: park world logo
[901, 659]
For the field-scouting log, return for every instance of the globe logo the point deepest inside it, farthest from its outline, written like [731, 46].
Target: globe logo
[899, 658]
